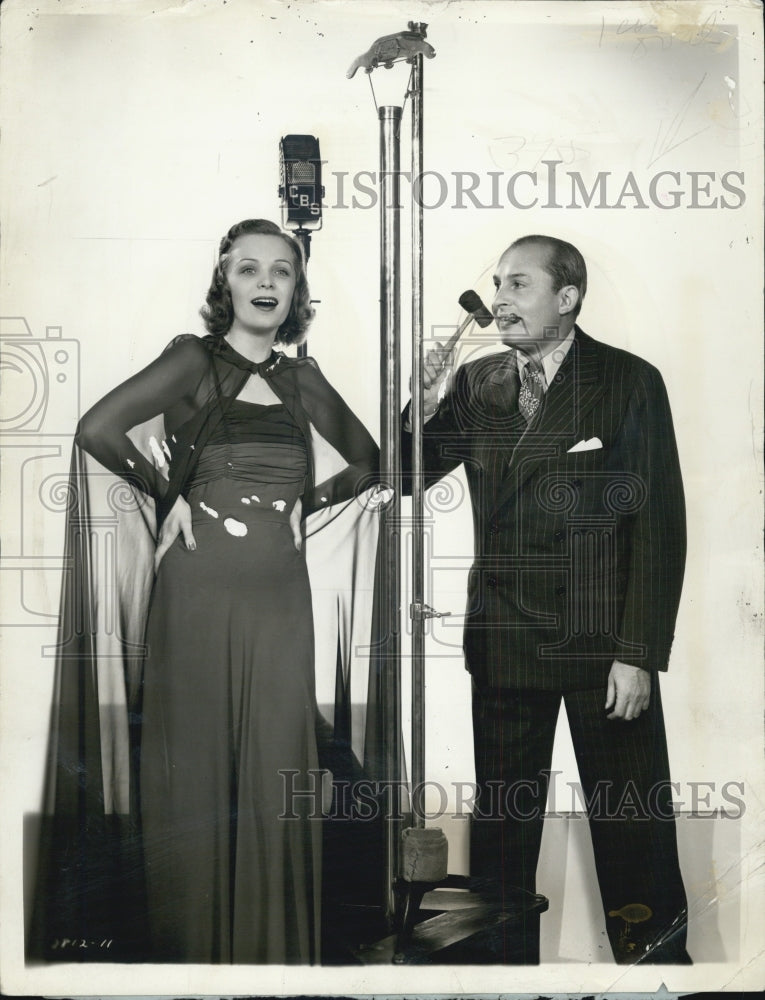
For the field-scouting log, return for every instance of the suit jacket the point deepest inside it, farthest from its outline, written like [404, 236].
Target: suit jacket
[579, 555]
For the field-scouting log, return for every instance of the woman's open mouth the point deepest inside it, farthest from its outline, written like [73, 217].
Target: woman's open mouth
[266, 302]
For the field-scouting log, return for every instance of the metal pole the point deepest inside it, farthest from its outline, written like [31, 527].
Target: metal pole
[418, 485]
[390, 457]
[304, 236]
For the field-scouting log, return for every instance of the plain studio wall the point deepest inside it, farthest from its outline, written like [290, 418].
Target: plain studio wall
[135, 134]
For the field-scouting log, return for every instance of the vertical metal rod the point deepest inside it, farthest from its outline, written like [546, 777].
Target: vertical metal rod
[304, 235]
[418, 485]
[390, 408]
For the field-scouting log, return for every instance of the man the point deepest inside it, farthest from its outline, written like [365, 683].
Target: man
[579, 526]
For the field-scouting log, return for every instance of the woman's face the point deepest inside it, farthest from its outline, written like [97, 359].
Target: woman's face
[261, 275]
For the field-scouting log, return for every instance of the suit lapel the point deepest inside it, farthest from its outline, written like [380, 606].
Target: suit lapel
[576, 388]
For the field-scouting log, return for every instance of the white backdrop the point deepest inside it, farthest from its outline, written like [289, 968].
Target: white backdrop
[135, 133]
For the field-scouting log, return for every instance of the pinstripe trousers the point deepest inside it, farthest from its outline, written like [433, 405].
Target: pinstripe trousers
[624, 774]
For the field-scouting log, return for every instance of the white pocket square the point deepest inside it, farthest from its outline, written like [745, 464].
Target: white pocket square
[589, 445]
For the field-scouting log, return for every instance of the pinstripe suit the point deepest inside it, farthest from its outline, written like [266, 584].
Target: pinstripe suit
[579, 562]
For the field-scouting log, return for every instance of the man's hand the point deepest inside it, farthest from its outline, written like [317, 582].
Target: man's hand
[295, 516]
[435, 371]
[629, 691]
[178, 521]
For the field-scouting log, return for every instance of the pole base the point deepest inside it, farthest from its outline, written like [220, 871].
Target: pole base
[449, 924]
[425, 854]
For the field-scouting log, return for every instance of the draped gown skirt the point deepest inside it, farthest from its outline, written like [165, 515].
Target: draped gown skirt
[228, 736]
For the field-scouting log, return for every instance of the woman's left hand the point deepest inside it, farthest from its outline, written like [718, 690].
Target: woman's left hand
[295, 518]
[177, 522]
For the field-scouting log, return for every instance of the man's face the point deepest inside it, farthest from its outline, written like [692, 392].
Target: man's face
[528, 310]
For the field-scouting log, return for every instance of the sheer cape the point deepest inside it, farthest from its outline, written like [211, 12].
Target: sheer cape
[133, 453]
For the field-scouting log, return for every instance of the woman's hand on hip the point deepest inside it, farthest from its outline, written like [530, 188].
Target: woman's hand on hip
[177, 522]
[295, 518]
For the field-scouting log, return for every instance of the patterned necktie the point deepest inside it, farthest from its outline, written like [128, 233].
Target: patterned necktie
[531, 392]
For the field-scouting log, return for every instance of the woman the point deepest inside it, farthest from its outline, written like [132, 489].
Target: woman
[228, 713]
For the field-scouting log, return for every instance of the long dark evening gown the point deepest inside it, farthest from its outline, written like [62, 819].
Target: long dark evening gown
[232, 865]
[184, 706]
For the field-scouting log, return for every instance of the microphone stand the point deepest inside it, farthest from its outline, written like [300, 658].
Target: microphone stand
[417, 609]
[390, 517]
[416, 852]
[304, 235]
[414, 858]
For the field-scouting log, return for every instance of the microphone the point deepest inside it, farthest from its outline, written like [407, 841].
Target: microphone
[476, 310]
[300, 185]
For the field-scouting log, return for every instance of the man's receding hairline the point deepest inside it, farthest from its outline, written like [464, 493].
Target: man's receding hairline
[525, 241]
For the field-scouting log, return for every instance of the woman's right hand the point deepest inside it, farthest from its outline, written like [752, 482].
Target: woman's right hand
[178, 521]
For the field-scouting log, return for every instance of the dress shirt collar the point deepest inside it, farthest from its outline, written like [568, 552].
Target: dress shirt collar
[550, 362]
